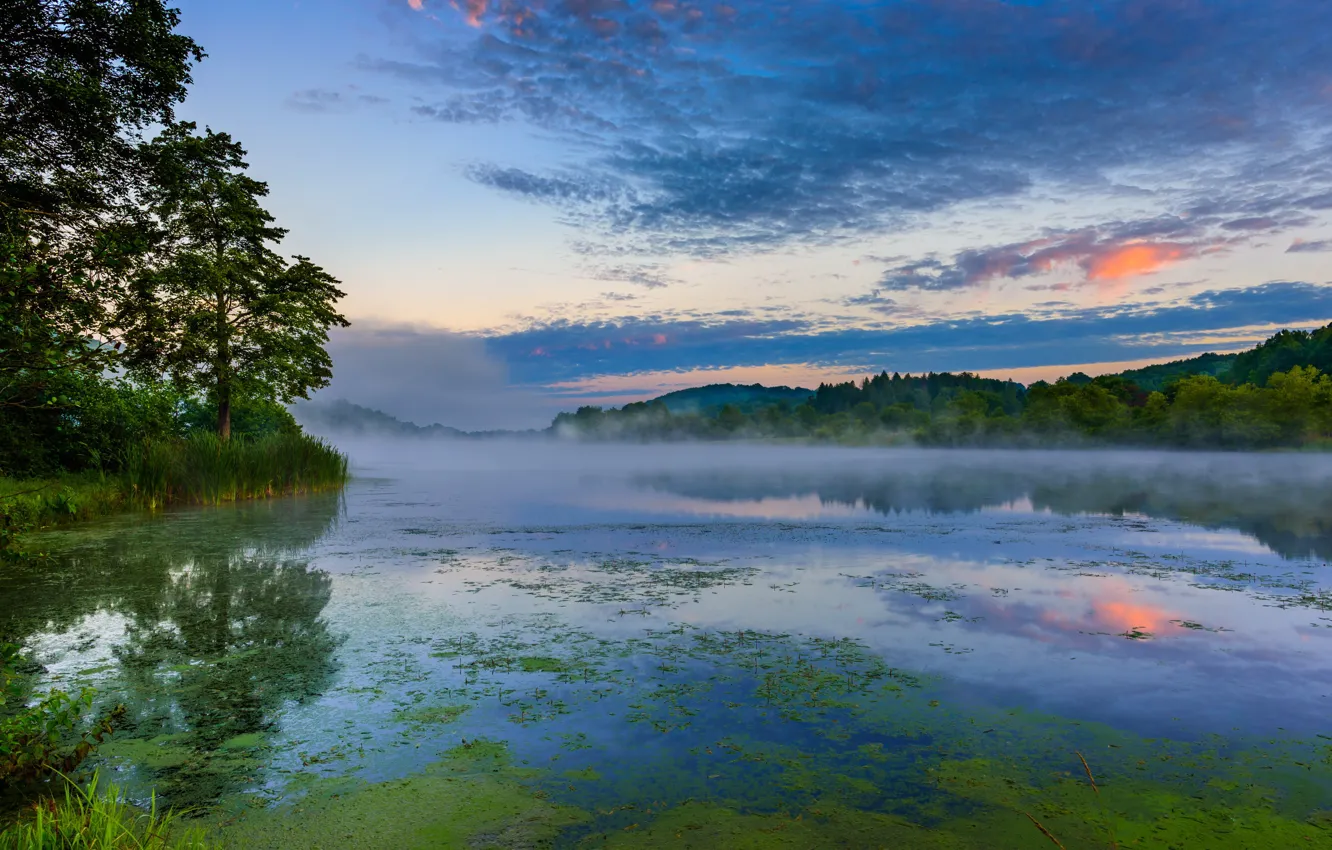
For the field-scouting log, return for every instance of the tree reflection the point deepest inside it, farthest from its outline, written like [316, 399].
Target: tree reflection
[222, 628]
[1285, 505]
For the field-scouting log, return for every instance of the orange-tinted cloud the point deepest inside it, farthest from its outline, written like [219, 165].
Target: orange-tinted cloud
[1133, 260]
[472, 10]
[418, 5]
[1101, 258]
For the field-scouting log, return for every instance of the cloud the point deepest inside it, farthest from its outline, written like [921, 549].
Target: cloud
[324, 100]
[426, 376]
[749, 124]
[1299, 246]
[562, 351]
[648, 276]
[464, 110]
[1108, 253]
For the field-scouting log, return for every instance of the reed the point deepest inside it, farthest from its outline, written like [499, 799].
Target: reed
[203, 470]
[98, 818]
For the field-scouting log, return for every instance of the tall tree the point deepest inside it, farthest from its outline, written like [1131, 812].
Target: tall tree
[220, 311]
[80, 80]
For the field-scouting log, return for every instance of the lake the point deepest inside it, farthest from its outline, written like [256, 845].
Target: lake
[489, 644]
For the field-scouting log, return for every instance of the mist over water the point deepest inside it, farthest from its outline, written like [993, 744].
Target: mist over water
[1166, 596]
[1090, 584]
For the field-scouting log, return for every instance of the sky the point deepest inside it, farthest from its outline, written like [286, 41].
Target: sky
[538, 204]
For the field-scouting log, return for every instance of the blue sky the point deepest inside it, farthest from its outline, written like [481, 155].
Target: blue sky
[601, 199]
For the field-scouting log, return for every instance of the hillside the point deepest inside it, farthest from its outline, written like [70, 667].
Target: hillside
[343, 417]
[747, 397]
[1155, 377]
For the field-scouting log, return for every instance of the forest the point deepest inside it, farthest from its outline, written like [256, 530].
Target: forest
[1276, 395]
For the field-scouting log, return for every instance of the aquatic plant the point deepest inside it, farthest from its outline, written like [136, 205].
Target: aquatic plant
[98, 818]
[203, 469]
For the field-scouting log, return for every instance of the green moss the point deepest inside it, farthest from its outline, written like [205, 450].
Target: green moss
[472, 798]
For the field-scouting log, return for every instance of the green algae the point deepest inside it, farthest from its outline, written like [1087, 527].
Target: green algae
[1125, 812]
[430, 714]
[706, 825]
[541, 664]
[474, 797]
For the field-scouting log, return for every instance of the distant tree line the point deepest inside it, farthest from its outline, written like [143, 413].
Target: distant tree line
[1278, 394]
[142, 294]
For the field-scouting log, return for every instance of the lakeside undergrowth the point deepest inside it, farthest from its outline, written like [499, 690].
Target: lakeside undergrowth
[196, 470]
[98, 818]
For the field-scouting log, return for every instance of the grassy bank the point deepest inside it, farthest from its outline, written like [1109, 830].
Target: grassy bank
[98, 818]
[196, 470]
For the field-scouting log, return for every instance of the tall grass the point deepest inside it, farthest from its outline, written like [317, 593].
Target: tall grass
[96, 818]
[203, 470]
[200, 470]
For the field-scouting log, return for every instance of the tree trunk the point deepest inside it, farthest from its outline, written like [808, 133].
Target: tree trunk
[222, 366]
[224, 412]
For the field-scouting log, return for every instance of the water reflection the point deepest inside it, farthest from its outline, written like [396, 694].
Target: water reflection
[1287, 509]
[613, 617]
[205, 624]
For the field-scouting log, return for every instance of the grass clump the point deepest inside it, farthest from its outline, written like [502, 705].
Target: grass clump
[197, 469]
[98, 818]
[203, 469]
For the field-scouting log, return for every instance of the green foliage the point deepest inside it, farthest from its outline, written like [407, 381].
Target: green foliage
[250, 417]
[1293, 409]
[202, 468]
[927, 392]
[748, 398]
[1157, 376]
[39, 739]
[80, 80]
[32, 503]
[89, 423]
[221, 312]
[97, 818]
[1282, 352]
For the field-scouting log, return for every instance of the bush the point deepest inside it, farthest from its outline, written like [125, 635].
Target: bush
[36, 740]
[83, 423]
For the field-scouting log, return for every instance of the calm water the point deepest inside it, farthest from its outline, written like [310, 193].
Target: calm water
[764, 630]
